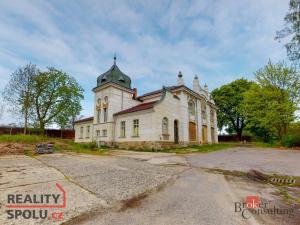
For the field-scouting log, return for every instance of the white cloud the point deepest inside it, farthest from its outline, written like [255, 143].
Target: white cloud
[219, 40]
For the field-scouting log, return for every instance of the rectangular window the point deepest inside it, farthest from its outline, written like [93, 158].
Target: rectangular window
[104, 133]
[81, 132]
[123, 127]
[135, 128]
[98, 133]
[98, 115]
[88, 131]
[105, 115]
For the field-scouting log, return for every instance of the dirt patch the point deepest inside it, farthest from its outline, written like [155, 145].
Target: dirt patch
[257, 176]
[133, 203]
[13, 148]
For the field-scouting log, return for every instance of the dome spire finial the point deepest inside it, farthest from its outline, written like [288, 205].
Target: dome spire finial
[115, 58]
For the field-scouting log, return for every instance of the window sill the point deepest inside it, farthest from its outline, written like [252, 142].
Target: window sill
[122, 137]
[135, 136]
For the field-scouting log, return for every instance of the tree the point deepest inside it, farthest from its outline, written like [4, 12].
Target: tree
[292, 29]
[280, 77]
[57, 97]
[18, 92]
[229, 99]
[271, 103]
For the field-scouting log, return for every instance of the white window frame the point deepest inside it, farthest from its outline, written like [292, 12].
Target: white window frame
[123, 129]
[136, 127]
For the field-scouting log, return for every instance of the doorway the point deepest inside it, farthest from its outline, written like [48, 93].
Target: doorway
[192, 131]
[204, 134]
[176, 132]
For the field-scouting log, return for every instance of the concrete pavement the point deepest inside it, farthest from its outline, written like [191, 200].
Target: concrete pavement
[150, 188]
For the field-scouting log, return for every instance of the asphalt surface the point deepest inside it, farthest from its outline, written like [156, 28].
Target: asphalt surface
[282, 162]
[152, 188]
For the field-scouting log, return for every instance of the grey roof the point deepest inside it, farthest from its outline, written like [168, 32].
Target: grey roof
[114, 75]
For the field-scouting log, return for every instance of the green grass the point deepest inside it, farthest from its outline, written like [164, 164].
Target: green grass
[200, 148]
[60, 145]
[266, 145]
[189, 149]
[25, 139]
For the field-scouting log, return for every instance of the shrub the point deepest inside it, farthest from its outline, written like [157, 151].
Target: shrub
[291, 141]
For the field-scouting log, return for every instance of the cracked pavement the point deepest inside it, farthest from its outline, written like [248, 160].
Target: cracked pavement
[150, 188]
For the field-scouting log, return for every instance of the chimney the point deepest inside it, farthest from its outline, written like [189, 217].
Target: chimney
[196, 85]
[134, 95]
[180, 79]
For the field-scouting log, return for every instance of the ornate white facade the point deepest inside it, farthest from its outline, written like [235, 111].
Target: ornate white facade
[175, 115]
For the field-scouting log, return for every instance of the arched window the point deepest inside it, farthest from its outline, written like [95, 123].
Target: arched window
[105, 109]
[211, 116]
[98, 108]
[165, 125]
[192, 108]
[203, 110]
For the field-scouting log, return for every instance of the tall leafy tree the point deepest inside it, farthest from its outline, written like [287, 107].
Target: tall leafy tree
[18, 93]
[271, 103]
[229, 99]
[280, 77]
[57, 97]
[292, 30]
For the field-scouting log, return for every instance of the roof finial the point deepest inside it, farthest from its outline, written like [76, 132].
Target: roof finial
[115, 58]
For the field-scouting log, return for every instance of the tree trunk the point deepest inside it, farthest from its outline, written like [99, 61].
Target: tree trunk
[26, 122]
[42, 128]
[239, 134]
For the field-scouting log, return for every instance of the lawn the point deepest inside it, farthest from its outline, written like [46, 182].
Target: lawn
[63, 145]
[28, 142]
[200, 148]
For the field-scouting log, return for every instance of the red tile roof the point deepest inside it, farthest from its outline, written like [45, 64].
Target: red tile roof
[136, 108]
[84, 120]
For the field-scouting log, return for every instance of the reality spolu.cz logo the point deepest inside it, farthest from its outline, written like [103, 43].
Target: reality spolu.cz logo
[36, 206]
[254, 206]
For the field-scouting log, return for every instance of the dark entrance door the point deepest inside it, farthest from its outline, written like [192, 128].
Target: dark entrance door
[176, 131]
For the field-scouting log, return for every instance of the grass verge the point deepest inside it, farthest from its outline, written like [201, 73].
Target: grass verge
[189, 149]
[201, 148]
[60, 145]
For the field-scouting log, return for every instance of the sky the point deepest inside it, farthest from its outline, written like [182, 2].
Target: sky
[219, 40]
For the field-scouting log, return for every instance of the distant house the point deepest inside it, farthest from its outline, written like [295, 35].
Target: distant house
[175, 115]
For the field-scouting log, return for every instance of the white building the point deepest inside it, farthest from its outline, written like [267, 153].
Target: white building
[175, 115]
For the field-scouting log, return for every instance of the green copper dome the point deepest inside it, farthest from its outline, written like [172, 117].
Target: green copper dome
[114, 75]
